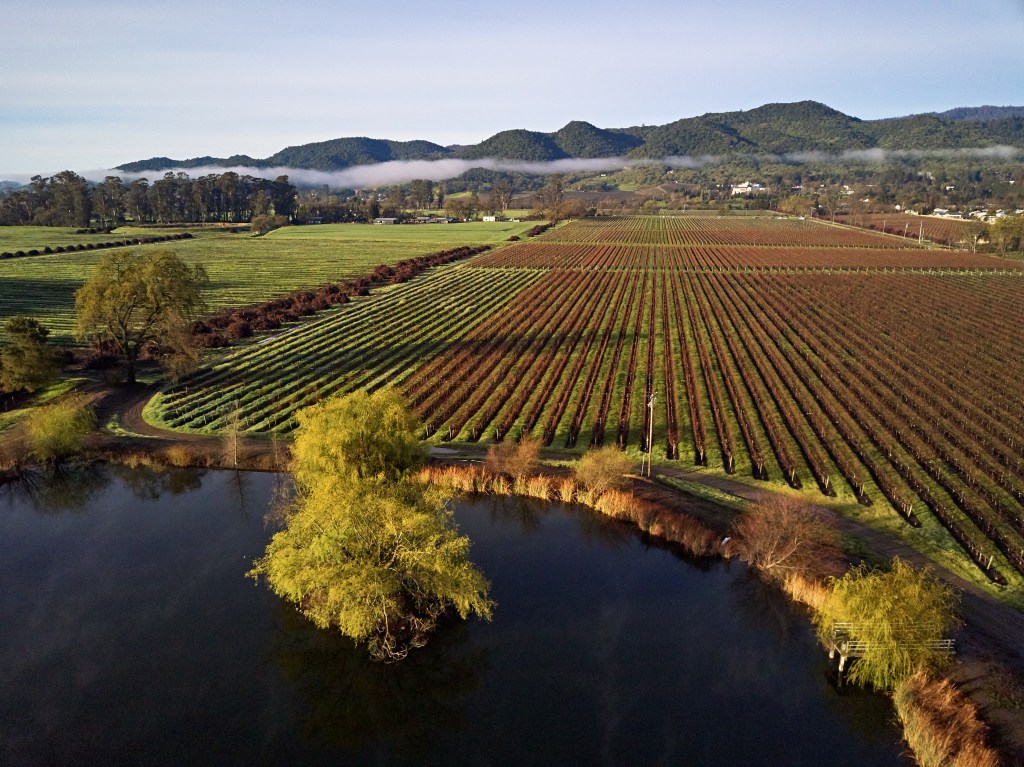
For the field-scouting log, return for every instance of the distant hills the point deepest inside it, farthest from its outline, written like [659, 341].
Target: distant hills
[804, 126]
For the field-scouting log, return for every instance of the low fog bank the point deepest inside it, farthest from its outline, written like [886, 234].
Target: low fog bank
[404, 171]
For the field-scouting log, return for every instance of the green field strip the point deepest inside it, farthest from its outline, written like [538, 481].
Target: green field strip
[429, 323]
[777, 376]
[619, 370]
[243, 270]
[894, 378]
[764, 408]
[556, 418]
[511, 389]
[714, 450]
[310, 337]
[615, 327]
[638, 400]
[742, 407]
[859, 404]
[322, 377]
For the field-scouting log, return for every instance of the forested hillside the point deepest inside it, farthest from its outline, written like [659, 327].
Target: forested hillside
[804, 126]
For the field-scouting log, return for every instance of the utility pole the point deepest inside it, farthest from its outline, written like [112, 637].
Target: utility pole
[650, 435]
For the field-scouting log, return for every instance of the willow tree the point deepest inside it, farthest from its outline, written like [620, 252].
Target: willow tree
[133, 298]
[900, 615]
[365, 549]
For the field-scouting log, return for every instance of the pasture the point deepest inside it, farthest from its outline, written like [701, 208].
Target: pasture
[243, 269]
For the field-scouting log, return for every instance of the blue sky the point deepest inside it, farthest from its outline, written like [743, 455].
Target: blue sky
[92, 85]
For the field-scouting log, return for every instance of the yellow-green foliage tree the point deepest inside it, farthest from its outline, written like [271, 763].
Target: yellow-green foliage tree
[364, 549]
[900, 613]
[58, 431]
[133, 298]
[603, 469]
[360, 435]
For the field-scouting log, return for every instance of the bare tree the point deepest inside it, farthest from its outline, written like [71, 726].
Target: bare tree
[782, 536]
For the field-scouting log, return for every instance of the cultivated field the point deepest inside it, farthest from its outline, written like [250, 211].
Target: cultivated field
[947, 231]
[243, 269]
[884, 375]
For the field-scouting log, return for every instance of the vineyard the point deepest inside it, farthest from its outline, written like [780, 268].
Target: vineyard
[947, 231]
[889, 376]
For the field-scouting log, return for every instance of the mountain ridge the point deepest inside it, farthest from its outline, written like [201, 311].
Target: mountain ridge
[774, 128]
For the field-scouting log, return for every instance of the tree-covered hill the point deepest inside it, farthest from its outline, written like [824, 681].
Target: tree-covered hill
[804, 126]
[985, 113]
[581, 139]
[526, 145]
[344, 152]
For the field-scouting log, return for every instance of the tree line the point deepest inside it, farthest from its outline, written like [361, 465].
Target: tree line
[67, 199]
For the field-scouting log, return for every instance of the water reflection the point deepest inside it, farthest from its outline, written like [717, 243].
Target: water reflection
[56, 489]
[355, 703]
[149, 483]
[525, 513]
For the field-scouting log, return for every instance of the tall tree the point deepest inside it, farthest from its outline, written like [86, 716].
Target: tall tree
[108, 201]
[132, 298]
[365, 549]
[138, 206]
[27, 361]
[282, 194]
[501, 191]
[71, 200]
[550, 196]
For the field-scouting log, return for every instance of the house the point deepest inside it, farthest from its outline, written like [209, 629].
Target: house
[385, 220]
[747, 188]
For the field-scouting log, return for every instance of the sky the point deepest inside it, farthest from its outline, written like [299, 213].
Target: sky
[87, 86]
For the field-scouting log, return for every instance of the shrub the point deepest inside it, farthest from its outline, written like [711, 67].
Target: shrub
[783, 536]
[58, 431]
[179, 455]
[516, 459]
[603, 469]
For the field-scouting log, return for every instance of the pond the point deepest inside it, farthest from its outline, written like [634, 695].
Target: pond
[129, 634]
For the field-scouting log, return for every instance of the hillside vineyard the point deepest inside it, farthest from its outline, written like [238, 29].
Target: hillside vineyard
[826, 357]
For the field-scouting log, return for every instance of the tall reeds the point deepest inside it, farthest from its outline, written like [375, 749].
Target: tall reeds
[941, 725]
[659, 521]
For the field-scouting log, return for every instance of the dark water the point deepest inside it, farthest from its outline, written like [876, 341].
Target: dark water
[128, 635]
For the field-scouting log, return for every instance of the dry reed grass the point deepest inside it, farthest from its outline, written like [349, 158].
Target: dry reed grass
[566, 490]
[941, 725]
[809, 591]
[661, 522]
[179, 456]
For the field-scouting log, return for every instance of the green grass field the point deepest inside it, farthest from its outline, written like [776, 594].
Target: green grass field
[243, 269]
[15, 238]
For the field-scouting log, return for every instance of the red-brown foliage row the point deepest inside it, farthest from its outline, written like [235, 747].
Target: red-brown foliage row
[95, 245]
